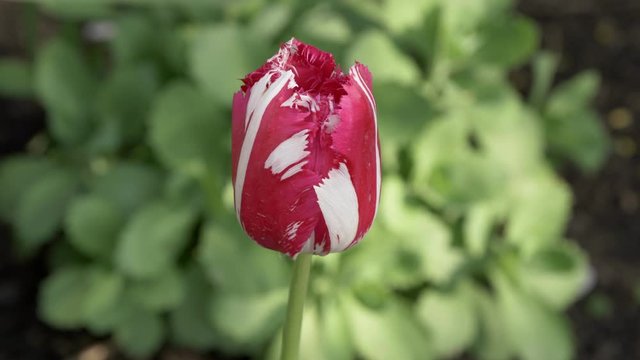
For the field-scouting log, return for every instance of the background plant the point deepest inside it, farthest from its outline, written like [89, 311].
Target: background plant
[130, 183]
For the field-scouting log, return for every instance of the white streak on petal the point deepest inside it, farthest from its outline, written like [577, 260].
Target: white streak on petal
[331, 122]
[339, 205]
[292, 84]
[293, 170]
[288, 152]
[290, 101]
[363, 85]
[259, 99]
[297, 100]
[311, 247]
[292, 229]
[308, 246]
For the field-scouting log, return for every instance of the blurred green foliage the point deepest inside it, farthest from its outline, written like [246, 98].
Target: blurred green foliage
[133, 191]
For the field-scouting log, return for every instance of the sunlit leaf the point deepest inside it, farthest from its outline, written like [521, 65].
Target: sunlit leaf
[541, 204]
[556, 275]
[534, 330]
[450, 318]
[235, 55]
[389, 332]
[507, 41]
[383, 58]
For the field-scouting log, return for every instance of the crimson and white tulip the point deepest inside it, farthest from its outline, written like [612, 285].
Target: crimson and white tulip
[306, 157]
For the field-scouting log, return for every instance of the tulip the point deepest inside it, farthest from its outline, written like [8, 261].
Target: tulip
[305, 151]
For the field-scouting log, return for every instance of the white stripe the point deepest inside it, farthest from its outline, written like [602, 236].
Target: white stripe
[288, 152]
[354, 71]
[310, 246]
[338, 202]
[293, 170]
[260, 98]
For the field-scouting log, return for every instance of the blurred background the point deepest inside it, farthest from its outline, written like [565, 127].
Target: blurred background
[508, 226]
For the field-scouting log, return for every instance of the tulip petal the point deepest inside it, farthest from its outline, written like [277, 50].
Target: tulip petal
[272, 188]
[306, 164]
[338, 202]
[356, 138]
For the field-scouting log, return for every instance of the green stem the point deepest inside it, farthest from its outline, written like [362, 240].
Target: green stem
[297, 295]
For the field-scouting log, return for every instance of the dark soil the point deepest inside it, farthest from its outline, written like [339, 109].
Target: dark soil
[589, 34]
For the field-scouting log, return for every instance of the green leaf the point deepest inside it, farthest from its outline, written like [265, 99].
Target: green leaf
[573, 129]
[390, 332]
[238, 265]
[324, 333]
[450, 180]
[236, 54]
[397, 104]
[65, 85]
[140, 333]
[403, 15]
[478, 226]
[493, 340]
[450, 318]
[557, 275]
[189, 322]
[92, 225]
[543, 66]
[443, 138]
[271, 21]
[17, 174]
[186, 130]
[72, 9]
[125, 98]
[153, 239]
[333, 330]
[136, 38]
[383, 58]
[15, 78]
[42, 209]
[539, 211]
[129, 185]
[163, 292]
[397, 265]
[575, 93]
[458, 35]
[323, 26]
[535, 331]
[62, 297]
[508, 41]
[73, 294]
[102, 291]
[424, 241]
[247, 321]
[509, 134]
[580, 138]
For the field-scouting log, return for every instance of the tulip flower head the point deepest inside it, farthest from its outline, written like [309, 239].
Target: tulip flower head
[306, 157]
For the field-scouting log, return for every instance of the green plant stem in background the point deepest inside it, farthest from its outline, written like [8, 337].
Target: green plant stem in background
[297, 295]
